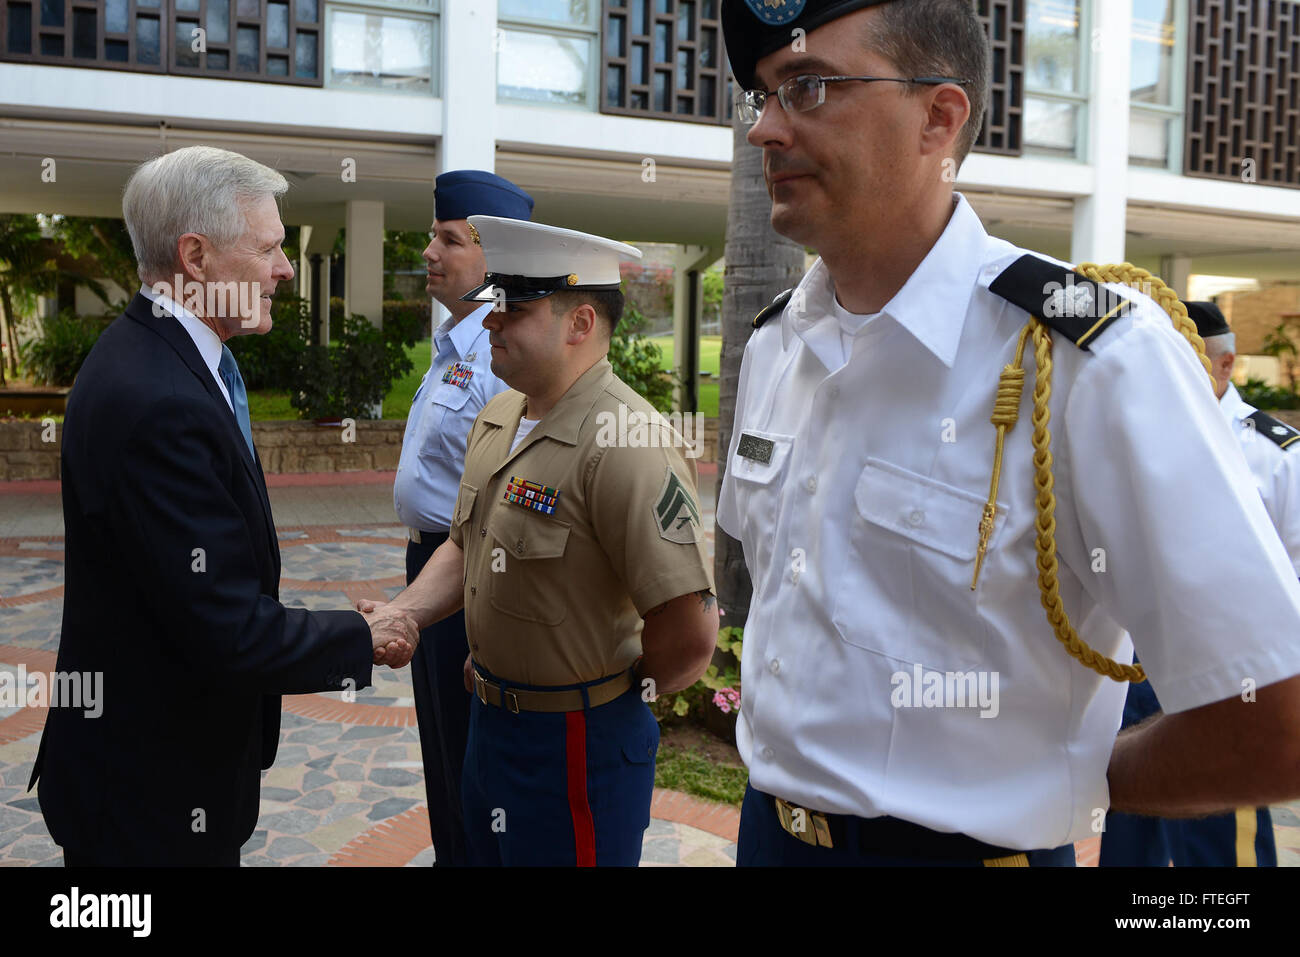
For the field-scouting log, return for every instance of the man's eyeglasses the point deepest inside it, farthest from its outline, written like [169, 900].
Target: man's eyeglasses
[799, 94]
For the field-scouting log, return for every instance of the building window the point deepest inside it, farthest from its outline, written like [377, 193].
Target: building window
[377, 49]
[1156, 84]
[271, 41]
[546, 52]
[665, 58]
[1055, 80]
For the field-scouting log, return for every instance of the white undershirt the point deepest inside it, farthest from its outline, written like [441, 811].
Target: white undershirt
[525, 426]
[851, 323]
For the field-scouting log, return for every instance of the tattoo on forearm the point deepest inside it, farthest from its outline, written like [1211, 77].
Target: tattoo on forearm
[707, 599]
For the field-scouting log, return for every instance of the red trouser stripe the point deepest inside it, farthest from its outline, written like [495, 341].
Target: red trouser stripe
[575, 755]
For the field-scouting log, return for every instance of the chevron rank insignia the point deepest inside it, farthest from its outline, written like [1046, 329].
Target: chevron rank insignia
[458, 373]
[532, 495]
[675, 512]
[1065, 300]
[1273, 430]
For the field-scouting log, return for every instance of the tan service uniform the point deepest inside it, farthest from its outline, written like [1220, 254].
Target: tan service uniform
[558, 599]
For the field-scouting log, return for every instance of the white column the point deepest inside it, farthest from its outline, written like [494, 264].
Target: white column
[469, 85]
[304, 264]
[1176, 271]
[1099, 219]
[364, 291]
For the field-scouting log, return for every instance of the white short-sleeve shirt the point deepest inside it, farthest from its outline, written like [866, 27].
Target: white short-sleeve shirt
[1276, 470]
[858, 499]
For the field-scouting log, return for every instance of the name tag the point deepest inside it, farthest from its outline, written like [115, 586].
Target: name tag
[756, 449]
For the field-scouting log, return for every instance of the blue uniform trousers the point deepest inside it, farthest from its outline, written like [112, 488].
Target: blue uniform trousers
[1243, 838]
[559, 789]
[764, 843]
[442, 709]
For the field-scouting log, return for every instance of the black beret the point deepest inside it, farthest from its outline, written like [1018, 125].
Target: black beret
[1209, 320]
[754, 28]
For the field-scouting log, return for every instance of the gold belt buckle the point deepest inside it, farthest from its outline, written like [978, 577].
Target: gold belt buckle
[811, 827]
[480, 687]
[510, 701]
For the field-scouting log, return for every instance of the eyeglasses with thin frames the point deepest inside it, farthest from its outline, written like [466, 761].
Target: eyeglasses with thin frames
[799, 94]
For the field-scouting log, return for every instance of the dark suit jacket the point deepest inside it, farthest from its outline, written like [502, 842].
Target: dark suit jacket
[194, 647]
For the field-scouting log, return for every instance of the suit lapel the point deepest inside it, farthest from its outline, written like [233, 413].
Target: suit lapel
[175, 335]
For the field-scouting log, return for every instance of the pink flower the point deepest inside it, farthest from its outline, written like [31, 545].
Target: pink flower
[726, 700]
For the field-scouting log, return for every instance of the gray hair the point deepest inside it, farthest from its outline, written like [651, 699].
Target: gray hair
[198, 189]
[938, 38]
[1216, 346]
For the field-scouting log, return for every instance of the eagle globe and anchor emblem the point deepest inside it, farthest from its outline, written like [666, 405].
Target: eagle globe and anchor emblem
[776, 12]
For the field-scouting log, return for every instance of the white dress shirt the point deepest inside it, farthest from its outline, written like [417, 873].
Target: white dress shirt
[1276, 471]
[205, 340]
[860, 534]
[437, 428]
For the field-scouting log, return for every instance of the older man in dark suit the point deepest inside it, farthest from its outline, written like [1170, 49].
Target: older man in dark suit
[172, 561]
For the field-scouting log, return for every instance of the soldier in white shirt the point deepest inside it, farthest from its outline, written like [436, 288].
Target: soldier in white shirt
[1244, 837]
[905, 698]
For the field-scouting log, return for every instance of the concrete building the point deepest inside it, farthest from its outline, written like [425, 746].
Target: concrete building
[1162, 132]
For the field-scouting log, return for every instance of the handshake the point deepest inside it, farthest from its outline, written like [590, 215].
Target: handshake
[394, 634]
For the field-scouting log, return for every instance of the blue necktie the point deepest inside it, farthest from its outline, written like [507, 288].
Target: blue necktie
[228, 369]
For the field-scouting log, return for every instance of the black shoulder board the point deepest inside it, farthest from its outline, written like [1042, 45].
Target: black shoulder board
[1069, 302]
[1273, 429]
[774, 309]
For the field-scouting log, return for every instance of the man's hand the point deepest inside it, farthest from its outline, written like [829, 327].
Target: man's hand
[469, 673]
[394, 634]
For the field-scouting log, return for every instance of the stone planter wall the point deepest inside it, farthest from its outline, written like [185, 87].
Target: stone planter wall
[306, 447]
[24, 453]
[285, 446]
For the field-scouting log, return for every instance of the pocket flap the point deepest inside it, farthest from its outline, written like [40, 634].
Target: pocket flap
[760, 456]
[464, 504]
[926, 511]
[525, 534]
[450, 396]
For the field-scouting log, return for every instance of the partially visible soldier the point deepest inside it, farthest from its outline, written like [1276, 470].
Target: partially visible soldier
[1243, 838]
[577, 551]
[1269, 444]
[455, 389]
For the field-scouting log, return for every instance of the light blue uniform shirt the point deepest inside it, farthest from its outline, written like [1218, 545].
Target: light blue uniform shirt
[437, 429]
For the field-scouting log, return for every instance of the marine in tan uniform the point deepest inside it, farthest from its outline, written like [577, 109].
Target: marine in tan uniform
[577, 550]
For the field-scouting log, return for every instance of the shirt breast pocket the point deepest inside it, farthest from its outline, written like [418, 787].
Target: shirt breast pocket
[527, 564]
[756, 470]
[903, 588]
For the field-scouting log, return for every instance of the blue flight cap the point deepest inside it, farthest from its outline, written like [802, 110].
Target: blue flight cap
[462, 193]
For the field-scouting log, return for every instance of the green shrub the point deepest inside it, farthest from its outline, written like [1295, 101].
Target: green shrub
[270, 361]
[350, 376]
[55, 357]
[1261, 395]
[638, 361]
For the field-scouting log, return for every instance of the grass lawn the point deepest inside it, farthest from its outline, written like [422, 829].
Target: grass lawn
[710, 361]
[691, 759]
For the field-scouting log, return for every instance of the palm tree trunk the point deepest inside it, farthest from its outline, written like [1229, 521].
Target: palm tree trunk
[760, 265]
[7, 335]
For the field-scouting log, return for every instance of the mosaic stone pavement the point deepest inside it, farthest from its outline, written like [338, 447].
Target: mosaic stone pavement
[347, 787]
